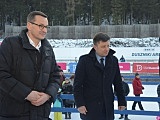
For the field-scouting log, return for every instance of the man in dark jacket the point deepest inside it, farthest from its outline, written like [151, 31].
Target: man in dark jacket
[29, 78]
[95, 74]
[67, 88]
[126, 92]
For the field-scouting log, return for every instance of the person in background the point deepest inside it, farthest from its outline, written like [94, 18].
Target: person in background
[126, 92]
[62, 76]
[122, 59]
[95, 74]
[72, 79]
[137, 90]
[67, 88]
[29, 77]
[72, 82]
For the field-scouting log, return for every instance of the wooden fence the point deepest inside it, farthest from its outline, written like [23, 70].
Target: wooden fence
[87, 32]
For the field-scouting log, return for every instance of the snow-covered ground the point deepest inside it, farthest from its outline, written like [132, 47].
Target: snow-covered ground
[115, 42]
[149, 91]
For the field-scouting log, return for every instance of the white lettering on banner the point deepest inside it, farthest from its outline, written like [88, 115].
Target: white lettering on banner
[139, 67]
[151, 68]
[120, 66]
[129, 53]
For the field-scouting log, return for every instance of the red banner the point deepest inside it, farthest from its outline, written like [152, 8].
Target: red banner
[123, 66]
[63, 65]
[146, 67]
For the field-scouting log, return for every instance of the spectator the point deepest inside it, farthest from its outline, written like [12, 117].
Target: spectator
[72, 79]
[72, 82]
[62, 76]
[95, 74]
[29, 78]
[126, 92]
[137, 90]
[67, 88]
[122, 59]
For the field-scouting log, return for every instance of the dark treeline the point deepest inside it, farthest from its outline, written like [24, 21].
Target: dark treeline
[82, 12]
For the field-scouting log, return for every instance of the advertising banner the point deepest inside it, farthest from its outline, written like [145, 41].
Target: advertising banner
[123, 66]
[63, 65]
[146, 67]
[72, 67]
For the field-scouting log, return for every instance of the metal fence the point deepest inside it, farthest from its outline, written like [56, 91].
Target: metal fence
[132, 112]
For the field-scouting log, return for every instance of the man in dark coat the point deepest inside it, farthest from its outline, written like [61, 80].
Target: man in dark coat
[67, 88]
[95, 74]
[29, 78]
[126, 92]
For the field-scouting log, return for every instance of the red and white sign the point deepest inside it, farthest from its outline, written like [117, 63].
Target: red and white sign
[63, 65]
[123, 66]
[146, 67]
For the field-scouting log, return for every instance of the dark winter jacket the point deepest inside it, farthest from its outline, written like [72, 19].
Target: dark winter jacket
[93, 85]
[125, 89]
[137, 86]
[67, 88]
[22, 70]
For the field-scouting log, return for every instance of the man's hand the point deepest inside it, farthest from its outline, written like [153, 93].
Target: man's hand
[37, 98]
[33, 96]
[121, 107]
[82, 110]
[43, 98]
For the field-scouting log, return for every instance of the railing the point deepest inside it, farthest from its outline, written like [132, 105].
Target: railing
[130, 76]
[133, 112]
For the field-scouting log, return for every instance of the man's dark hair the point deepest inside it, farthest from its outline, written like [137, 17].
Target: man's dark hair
[100, 37]
[31, 15]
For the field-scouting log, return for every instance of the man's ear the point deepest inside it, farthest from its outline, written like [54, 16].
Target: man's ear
[95, 47]
[28, 25]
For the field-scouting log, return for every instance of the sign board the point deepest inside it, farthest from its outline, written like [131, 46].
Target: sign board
[62, 65]
[146, 67]
[124, 66]
[72, 67]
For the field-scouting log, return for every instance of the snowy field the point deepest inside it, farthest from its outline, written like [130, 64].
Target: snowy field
[149, 91]
[115, 42]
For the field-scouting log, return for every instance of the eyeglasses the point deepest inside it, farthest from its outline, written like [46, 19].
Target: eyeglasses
[40, 26]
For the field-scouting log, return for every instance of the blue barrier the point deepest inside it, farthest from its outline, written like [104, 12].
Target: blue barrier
[144, 76]
[131, 76]
[133, 112]
[147, 83]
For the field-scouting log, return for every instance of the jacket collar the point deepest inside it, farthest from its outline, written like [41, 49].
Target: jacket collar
[46, 47]
[92, 52]
[27, 45]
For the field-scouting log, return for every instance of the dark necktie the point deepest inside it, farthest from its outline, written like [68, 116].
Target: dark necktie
[101, 62]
